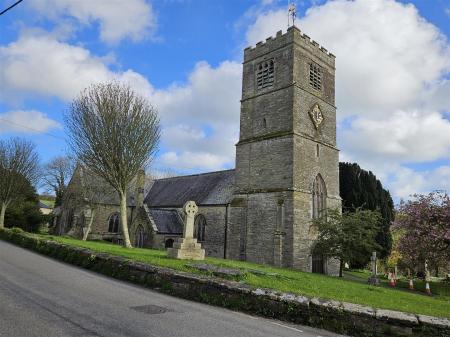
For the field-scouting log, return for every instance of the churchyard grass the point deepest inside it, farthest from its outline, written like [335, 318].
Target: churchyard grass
[285, 280]
[438, 287]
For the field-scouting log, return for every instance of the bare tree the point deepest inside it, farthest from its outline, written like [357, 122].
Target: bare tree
[19, 164]
[114, 132]
[55, 176]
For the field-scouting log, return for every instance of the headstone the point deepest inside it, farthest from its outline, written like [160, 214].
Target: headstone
[427, 279]
[187, 247]
[373, 279]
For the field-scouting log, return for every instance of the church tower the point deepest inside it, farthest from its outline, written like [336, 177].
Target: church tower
[287, 161]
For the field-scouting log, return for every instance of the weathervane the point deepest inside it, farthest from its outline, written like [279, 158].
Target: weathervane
[292, 13]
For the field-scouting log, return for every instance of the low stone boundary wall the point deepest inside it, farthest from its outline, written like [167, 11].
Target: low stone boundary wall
[345, 318]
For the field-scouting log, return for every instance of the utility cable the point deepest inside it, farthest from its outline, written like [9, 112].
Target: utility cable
[10, 7]
[29, 128]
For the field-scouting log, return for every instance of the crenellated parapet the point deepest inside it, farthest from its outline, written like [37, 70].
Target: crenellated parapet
[293, 35]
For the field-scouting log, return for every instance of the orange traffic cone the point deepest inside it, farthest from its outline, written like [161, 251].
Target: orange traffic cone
[411, 284]
[427, 288]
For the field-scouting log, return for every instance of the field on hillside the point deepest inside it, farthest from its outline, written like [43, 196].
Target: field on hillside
[287, 280]
[48, 202]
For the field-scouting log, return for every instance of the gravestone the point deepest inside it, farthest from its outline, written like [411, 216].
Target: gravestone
[373, 279]
[187, 247]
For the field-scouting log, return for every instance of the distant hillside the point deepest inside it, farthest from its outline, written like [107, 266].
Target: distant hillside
[48, 200]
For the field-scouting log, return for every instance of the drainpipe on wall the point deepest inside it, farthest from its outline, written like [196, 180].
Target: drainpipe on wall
[225, 236]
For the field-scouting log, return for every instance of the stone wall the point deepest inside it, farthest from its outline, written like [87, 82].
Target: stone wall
[102, 215]
[215, 229]
[345, 318]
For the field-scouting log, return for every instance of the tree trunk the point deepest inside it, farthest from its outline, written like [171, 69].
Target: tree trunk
[2, 215]
[341, 267]
[88, 229]
[124, 219]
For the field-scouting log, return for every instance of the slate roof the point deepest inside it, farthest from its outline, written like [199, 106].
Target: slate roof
[214, 188]
[167, 221]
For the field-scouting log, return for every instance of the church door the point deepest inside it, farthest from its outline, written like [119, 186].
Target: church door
[317, 264]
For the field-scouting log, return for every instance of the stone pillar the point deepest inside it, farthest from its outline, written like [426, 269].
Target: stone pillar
[373, 279]
[187, 248]
[278, 240]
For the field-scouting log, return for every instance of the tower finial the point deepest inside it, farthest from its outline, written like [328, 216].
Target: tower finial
[292, 13]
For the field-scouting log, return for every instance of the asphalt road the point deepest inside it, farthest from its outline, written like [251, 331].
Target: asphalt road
[43, 297]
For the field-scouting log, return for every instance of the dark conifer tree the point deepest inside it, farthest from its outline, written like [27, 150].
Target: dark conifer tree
[361, 189]
[25, 213]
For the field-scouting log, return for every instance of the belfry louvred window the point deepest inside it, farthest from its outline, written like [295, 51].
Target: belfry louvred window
[265, 74]
[315, 76]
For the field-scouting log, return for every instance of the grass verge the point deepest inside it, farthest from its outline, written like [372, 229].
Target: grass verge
[286, 280]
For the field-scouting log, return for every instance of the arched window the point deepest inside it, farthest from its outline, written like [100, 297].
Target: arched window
[319, 197]
[200, 227]
[168, 243]
[139, 240]
[113, 223]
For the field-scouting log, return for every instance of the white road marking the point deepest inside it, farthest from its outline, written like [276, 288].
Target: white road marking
[286, 326]
[245, 315]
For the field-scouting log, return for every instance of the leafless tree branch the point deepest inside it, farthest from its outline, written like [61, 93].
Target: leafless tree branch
[56, 174]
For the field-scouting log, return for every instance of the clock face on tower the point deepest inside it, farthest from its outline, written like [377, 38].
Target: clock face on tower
[316, 115]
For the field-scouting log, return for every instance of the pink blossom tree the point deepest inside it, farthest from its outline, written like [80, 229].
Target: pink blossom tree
[424, 227]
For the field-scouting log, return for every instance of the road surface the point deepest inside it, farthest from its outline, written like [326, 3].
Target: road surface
[40, 296]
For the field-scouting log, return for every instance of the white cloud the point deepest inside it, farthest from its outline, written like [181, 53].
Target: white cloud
[391, 87]
[117, 19]
[437, 97]
[407, 182]
[201, 118]
[30, 121]
[39, 65]
[390, 67]
[186, 161]
[401, 137]
[265, 25]
[387, 54]
[211, 95]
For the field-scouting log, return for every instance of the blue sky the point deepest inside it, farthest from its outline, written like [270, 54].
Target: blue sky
[393, 66]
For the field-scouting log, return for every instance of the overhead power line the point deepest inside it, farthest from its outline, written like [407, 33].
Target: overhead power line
[29, 128]
[13, 5]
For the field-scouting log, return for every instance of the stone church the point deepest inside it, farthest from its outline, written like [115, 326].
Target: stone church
[286, 170]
